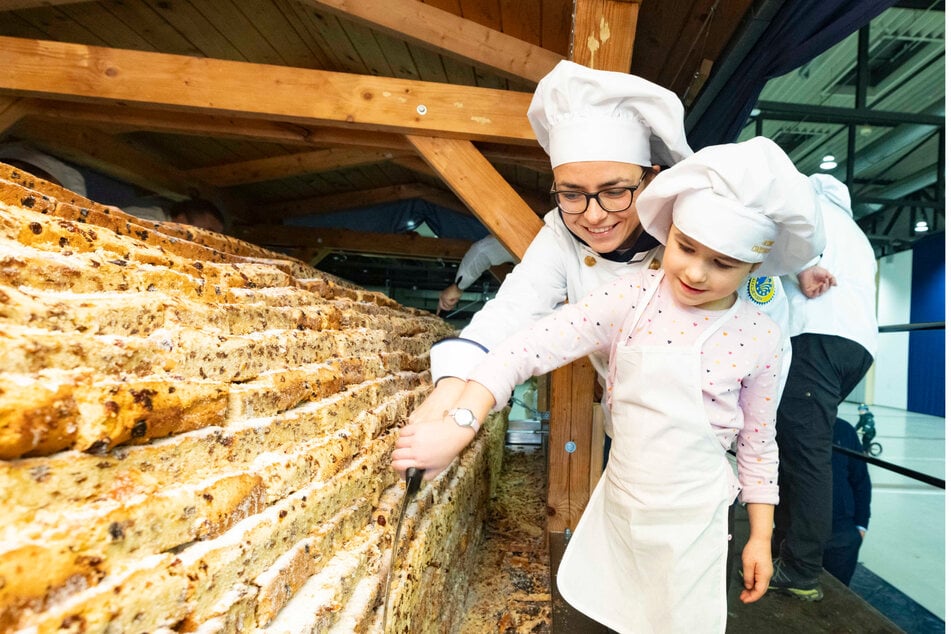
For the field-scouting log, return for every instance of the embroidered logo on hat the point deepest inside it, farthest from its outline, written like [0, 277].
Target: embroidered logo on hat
[761, 290]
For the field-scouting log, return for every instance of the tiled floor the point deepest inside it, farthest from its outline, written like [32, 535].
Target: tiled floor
[905, 545]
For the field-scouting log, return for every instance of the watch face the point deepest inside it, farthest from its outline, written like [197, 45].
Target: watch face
[463, 417]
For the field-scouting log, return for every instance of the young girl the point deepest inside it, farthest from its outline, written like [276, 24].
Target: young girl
[691, 371]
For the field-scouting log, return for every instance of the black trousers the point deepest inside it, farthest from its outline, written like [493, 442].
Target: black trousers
[824, 369]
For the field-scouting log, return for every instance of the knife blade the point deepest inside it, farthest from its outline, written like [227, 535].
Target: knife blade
[414, 478]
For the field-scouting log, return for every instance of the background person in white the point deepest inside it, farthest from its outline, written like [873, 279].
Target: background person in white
[834, 339]
[481, 256]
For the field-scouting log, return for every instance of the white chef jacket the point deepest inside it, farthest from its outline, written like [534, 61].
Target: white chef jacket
[847, 309]
[480, 257]
[557, 267]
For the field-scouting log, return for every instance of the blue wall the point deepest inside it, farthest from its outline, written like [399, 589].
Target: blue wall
[926, 363]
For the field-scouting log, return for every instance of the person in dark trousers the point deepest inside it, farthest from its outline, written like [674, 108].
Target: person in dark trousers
[851, 504]
[834, 339]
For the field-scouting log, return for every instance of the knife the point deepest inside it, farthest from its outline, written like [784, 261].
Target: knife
[414, 478]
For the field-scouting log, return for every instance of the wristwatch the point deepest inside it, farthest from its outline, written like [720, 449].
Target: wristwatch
[464, 418]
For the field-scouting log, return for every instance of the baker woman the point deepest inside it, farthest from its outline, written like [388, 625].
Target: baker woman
[607, 134]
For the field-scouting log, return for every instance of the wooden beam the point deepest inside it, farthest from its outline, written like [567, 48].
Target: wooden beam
[402, 245]
[447, 33]
[286, 166]
[212, 86]
[318, 205]
[603, 35]
[124, 118]
[482, 189]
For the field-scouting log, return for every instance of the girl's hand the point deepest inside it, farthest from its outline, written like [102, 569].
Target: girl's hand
[757, 569]
[431, 445]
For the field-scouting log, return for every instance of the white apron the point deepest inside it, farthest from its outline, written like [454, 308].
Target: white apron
[649, 552]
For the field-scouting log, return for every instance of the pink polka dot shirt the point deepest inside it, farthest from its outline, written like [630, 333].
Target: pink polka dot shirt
[740, 363]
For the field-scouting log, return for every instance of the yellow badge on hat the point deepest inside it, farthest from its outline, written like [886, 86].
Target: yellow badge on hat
[761, 290]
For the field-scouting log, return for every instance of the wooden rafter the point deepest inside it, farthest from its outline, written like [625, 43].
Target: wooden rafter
[447, 33]
[479, 186]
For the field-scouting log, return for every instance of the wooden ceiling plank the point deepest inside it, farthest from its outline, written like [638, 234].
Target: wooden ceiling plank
[368, 48]
[286, 166]
[212, 86]
[287, 38]
[330, 29]
[203, 36]
[154, 29]
[50, 20]
[604, 33]
[473, 179]
[305, 20]
[239, 31]
[450, 34]
[107, 28]
[410, 245]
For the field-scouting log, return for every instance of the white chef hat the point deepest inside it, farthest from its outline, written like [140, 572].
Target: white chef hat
[745, 200]
[831, 189]
[69, 177]
[582, 114]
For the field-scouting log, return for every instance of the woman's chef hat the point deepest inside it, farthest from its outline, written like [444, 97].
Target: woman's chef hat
[833, 190]
[745, 200]
[68, 177]
[582, 114]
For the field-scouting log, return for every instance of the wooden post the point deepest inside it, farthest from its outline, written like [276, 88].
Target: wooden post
[603, 38]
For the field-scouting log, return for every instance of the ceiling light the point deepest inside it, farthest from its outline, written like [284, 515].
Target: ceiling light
[828, 165]
[828, 157]
[921, 226]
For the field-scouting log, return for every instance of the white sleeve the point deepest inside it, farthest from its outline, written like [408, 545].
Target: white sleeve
[482, 255]
[534, 288]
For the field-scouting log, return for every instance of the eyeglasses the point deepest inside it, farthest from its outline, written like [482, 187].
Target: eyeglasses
[612, 199]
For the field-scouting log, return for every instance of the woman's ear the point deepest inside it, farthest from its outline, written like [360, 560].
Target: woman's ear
[755, 266]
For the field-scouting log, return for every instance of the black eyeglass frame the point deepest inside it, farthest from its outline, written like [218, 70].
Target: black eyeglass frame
[597, 196]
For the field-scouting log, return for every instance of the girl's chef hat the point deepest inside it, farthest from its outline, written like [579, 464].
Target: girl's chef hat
[582, 114]
[69, 177]
[746, 200]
